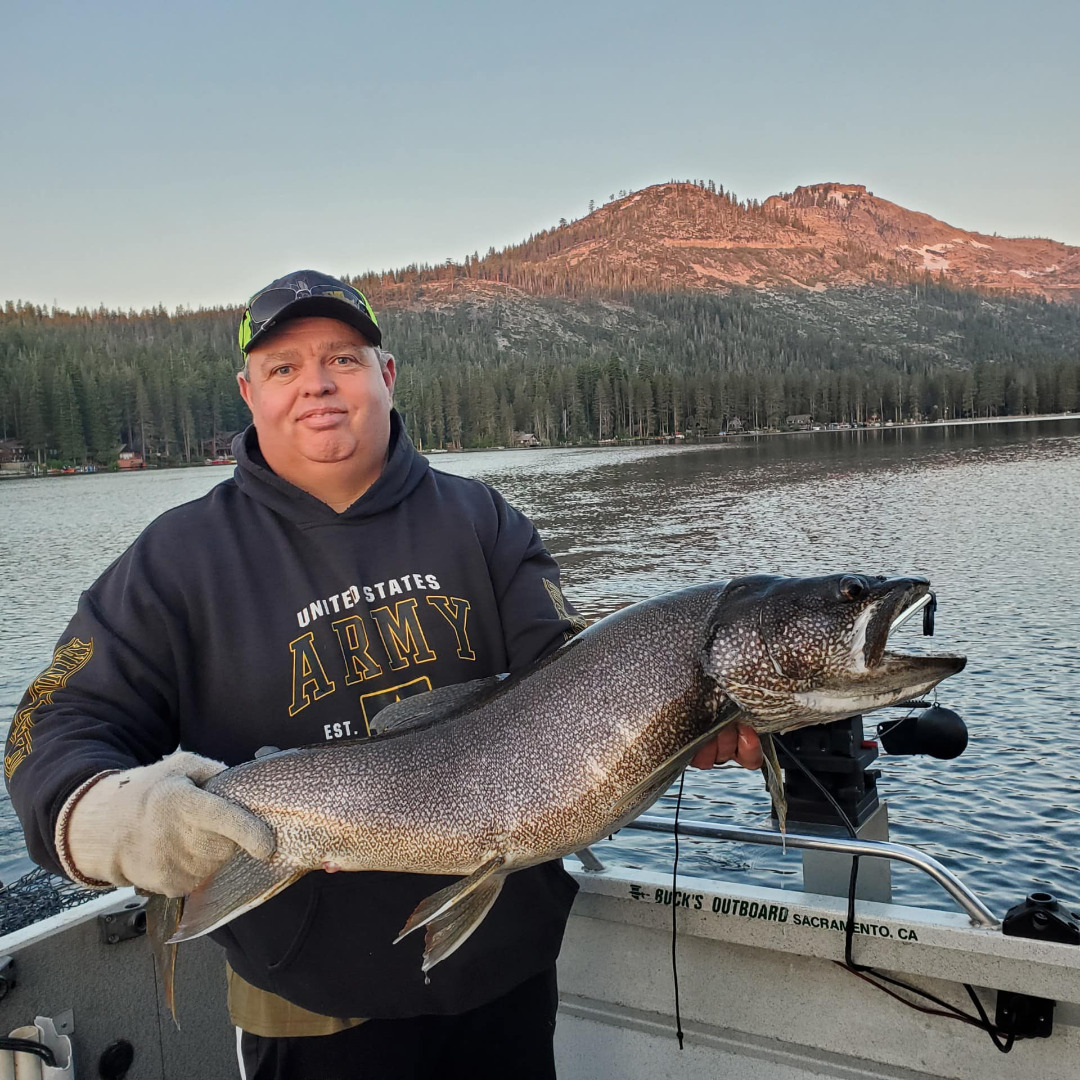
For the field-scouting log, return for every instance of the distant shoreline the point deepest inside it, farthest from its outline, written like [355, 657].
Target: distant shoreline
[658, 440]
[907, 424]
[669, 440]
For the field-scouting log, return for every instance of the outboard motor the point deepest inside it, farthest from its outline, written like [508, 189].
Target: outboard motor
[936, 732]
[839, 756]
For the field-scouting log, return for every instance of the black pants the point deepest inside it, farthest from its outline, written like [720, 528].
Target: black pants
[508, 1037]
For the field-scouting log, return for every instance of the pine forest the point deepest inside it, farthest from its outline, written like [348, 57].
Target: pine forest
[501, 368]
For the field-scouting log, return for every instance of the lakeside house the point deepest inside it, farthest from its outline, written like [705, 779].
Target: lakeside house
[130, 459]
[219, 448]
[11, 450]
[13, 459]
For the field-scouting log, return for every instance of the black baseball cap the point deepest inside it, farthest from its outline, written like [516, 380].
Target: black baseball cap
[306, 292]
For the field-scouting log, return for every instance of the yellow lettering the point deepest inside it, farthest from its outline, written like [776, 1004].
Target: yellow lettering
[401, 633]
[307, 671]
[456, 612]
[353, 639]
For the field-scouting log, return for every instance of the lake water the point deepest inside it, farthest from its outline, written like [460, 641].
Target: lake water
[990, 513]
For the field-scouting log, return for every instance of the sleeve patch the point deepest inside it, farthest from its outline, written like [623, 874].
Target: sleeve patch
[563, 609]
[70, 657]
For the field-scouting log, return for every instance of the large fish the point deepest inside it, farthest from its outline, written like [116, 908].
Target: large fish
[489, 777]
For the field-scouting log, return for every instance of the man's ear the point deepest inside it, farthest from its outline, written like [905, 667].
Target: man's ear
[389, 370]
[245, 388]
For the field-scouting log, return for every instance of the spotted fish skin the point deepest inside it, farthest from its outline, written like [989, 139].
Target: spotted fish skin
[492, 777]
[532, 773]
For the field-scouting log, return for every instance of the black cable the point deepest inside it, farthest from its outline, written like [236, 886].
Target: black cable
[862, 970]
[1010, 1037]
[29, 1046]
[674, 882]
[818, 784]
[849, 930]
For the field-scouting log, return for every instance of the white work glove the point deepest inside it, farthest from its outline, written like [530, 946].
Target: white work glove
[152, 827]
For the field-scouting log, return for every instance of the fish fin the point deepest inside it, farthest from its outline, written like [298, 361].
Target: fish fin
[439, 903]
[450, 931]
[453, 913]
[162, 918]
[642, 795]
[774, 781]
[241, 884]
[421, 710]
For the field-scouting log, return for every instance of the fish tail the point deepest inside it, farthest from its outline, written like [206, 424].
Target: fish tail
[243, 883]
[162, 918]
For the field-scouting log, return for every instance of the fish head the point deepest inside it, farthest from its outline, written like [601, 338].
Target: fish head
[798, 651]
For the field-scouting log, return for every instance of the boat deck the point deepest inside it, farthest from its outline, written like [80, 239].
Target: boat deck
[761, 995]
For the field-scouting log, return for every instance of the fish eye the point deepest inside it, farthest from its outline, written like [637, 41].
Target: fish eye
[854, 588]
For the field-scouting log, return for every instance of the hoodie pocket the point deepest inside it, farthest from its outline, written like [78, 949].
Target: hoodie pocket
[266, 940]
[307, 921]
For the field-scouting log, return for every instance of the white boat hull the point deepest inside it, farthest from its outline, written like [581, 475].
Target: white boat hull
[761, 995]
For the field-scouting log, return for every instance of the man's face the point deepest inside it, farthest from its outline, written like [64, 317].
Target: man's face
[319, 396]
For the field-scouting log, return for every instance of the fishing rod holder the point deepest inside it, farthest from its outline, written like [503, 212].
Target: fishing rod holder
[117, 926]
[1045, 918]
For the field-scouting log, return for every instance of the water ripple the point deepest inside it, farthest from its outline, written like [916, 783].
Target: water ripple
[984, 511]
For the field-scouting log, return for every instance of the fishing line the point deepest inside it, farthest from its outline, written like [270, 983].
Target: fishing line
[864, 971]
[911, 706]
[674, 882]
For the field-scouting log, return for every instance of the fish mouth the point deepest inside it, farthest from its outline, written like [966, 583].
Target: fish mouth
[897, 599]
[885, 676]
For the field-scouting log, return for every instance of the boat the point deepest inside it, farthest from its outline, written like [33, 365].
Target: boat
[763, 988]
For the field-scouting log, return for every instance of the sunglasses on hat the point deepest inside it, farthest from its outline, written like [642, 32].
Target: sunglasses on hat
[266, 306]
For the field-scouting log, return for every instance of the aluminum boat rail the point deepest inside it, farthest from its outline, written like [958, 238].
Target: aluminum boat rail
[977, 911]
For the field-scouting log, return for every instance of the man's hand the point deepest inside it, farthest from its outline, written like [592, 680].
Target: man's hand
[736, 742]
[155, 828]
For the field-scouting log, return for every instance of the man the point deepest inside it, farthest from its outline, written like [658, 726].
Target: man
[335, 573]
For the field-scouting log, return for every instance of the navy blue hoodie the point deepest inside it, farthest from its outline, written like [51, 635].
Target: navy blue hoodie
[257, 615]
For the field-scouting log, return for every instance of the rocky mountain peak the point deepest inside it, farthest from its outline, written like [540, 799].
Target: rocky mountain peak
[697, 236]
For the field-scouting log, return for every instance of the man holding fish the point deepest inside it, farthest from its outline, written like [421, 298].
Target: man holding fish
[336, 574]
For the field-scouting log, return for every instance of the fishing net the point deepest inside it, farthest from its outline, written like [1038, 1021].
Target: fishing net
[36, 896]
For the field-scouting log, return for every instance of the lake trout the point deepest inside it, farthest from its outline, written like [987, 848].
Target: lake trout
[488, 777]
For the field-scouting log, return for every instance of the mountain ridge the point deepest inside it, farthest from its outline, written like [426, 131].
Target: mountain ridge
[692, 236]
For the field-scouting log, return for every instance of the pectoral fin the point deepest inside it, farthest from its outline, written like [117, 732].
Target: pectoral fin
[642, 795]
[774, 779]
[453, 913]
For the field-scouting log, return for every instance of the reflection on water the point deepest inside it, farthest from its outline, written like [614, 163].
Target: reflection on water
[988, 513]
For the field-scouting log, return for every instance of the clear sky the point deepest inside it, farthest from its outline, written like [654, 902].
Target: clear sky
[187, 153]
